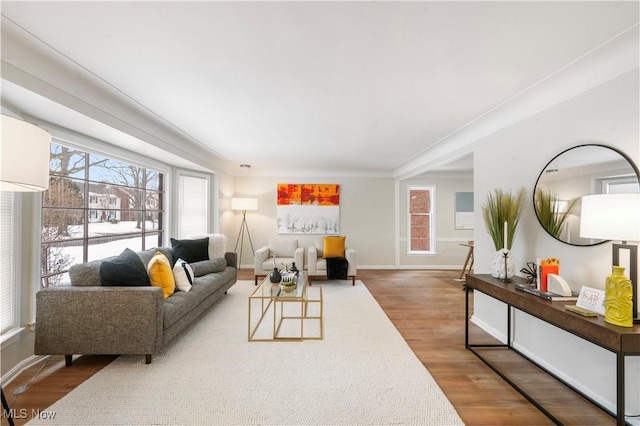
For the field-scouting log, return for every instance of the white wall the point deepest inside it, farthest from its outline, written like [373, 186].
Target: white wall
[514, 157]
[366, 216]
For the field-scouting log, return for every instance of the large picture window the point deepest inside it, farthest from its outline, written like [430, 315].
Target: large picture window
[96, 207]
[421, 220]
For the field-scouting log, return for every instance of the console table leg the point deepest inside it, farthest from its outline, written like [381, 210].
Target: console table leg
[620, 402]
[466, 316]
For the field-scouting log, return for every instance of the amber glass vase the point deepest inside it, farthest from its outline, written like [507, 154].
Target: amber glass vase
[618, 303]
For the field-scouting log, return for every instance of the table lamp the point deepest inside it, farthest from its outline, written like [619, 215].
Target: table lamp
[615, 217]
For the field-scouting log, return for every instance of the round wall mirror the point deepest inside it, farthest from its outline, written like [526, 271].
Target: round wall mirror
[581, 170]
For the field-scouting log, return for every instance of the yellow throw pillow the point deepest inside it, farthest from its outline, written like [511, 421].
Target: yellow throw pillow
[161, 274]
[333, 247]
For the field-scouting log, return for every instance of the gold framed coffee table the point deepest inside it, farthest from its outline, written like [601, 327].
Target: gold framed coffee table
[279, 315]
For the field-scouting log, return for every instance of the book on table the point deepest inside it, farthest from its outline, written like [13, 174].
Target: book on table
[546, 294]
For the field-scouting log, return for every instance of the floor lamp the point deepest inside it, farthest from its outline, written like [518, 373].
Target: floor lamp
[24, 167]
[244, 204]
[615, 217]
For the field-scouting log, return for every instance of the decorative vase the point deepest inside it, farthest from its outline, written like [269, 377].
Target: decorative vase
[293, 269]
[275, 276]
[498, 265]
[618, 303]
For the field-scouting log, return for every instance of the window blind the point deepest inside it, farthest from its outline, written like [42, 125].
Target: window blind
[7, 264]
[193, 212]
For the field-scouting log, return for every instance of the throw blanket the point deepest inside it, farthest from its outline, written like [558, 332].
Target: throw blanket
[337, 268]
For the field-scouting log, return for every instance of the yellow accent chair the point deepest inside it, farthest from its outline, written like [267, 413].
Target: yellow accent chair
[330, 247]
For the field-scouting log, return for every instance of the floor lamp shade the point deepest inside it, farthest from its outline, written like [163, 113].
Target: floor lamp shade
[24, 156]
[244, 204]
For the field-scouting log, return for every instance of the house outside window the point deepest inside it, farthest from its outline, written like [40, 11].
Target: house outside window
[96, 207]
[421, 228]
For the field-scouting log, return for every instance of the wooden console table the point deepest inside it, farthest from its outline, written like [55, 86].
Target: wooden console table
[619, 340]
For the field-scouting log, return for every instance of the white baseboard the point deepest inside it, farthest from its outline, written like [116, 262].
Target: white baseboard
[495, 333]
[20, 367]
[441, 267]
[432, 267]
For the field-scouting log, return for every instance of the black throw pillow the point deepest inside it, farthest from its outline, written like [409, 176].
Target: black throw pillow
[124, 270]
[190, 250]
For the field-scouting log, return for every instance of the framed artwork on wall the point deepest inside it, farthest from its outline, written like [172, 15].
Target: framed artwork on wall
[464, 210]
[308, 209]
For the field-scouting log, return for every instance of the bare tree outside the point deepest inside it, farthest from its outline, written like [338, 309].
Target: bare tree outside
[95, 205]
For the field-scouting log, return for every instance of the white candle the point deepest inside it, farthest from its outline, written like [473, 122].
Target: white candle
[505, 235]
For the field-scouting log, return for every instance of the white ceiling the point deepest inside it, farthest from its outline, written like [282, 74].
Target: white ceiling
[335, 86]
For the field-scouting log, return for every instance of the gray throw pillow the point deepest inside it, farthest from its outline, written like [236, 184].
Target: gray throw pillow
[208, 266]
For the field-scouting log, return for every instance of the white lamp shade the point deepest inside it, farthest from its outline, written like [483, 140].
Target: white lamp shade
[611, 217]
[244, 204]
[24, 156]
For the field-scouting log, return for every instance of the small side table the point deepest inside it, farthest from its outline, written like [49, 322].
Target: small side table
[468, 261]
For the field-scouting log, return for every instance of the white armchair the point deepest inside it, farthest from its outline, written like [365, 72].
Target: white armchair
[287, 252]
[317, 265]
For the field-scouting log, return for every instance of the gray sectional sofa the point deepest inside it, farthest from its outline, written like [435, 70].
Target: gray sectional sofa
[89, 318]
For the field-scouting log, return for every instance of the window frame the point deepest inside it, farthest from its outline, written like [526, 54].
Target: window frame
[432, 219]
[86, 209]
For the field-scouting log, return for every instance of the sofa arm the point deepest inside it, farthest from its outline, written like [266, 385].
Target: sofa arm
[298, 258]
[312, 260]
[99, 320]
[232, 259]
[262, 254]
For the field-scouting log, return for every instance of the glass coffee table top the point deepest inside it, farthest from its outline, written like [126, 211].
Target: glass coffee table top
[276, 291]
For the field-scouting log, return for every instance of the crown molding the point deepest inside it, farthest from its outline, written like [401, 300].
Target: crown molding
[37, 68]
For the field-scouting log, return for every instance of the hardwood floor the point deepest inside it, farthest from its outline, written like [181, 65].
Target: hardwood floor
[427, 308]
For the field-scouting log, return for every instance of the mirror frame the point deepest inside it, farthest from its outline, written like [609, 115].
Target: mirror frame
[624, 156]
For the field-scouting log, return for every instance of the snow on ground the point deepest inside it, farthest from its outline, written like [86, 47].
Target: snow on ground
[111, 248]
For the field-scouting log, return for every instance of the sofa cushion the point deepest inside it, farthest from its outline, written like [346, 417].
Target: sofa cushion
[205, 267]
[333, 246]
[283, 247]
[161, 274]
[217, 245]
[86, 274]
[124, 270]
[179, 305]
[183, 275]
[191, 250]
[146, 255]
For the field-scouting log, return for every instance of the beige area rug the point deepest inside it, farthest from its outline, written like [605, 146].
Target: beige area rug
[362, 373]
